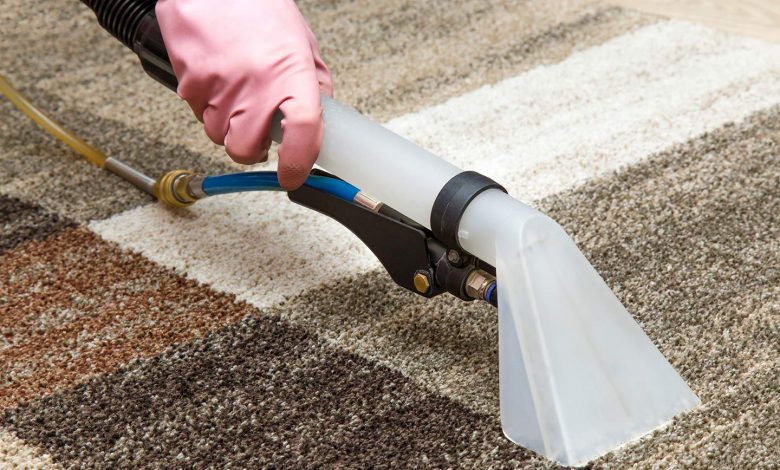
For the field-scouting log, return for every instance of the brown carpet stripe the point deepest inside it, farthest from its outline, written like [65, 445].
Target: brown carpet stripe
[690, 241]
[735, 431]
[73, 305]
[257, 394]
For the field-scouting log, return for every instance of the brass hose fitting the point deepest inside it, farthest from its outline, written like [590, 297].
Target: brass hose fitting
[171, 189]
[477, 284]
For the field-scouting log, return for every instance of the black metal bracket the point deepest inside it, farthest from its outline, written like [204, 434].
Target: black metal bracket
[410, 253]
[401, 247]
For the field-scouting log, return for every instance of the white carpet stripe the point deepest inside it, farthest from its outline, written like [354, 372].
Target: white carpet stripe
[557, 126]
[259, 246]
[539, 133]
[15, 454]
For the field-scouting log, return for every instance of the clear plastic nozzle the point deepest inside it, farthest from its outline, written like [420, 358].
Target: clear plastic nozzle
[578, 376]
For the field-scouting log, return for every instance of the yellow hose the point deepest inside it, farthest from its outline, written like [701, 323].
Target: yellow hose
[93, 155]
[171, 189]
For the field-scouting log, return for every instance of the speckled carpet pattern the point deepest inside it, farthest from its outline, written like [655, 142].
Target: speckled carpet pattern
[246, 332]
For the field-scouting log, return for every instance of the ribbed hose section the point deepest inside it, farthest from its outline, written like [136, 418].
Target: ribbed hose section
[121, 17]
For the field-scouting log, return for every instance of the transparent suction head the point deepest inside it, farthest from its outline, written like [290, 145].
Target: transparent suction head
[578, 376]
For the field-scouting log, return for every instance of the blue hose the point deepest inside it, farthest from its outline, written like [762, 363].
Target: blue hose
[269, 181]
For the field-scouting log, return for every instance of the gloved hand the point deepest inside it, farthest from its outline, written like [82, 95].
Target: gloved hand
[237, 62]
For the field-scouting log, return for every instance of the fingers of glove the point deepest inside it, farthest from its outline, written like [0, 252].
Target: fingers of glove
[194, 92]
[216, 121]
[248, 135]
[302, 129]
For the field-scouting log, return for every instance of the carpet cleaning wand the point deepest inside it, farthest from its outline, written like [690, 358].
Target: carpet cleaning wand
[578, 376]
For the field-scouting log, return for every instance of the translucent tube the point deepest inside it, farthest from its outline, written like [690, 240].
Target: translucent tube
[93, 155]
[379, 162]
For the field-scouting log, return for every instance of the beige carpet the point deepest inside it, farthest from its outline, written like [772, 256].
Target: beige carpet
[246, 332]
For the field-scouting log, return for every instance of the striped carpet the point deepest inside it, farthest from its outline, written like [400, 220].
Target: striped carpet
[246, 332]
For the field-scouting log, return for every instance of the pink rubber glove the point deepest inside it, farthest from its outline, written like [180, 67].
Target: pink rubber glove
[237, 62]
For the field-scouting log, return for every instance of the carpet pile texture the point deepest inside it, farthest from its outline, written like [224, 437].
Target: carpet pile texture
[246, 332]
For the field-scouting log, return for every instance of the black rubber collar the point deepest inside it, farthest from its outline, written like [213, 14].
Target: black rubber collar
[451, 203]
